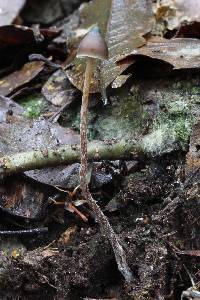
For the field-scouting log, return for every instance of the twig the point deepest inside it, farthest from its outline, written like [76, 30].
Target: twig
[23, 232]
[24, 161]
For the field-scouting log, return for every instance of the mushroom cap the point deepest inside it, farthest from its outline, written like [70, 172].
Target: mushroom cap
[93, 45]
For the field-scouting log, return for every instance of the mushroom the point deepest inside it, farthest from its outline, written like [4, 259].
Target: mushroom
[93, 47]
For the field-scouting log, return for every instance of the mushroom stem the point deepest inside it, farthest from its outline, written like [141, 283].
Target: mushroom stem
[84, 119]
[101, 218]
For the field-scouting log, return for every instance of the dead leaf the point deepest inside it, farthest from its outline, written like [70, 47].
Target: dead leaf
[13, 81]
[23, 198]
[175, 12]
[17, 35]
[124, 23]
[9, 10]
[12, 35]
[181, 53]
[9, 110]
[57, 90]
[120, 80]
[33, 135]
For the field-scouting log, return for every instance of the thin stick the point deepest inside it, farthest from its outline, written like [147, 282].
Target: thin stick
[23, 232]
[97, 151]
[105, 226]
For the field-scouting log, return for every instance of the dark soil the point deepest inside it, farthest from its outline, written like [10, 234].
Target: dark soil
[158, 218]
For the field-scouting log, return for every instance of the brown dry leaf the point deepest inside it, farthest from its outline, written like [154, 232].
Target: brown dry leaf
[180, 53]
[124, 24]
[9, 10]
[13, 81]
[175, 12]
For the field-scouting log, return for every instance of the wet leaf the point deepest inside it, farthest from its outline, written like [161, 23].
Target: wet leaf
[13, 81]
[124, 23]
[67, 177]
[9, 10]
[23, 198]
[57, 89]
[33, 135]
[180, 53]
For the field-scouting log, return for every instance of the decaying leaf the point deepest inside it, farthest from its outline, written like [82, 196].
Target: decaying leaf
[124, 24]
[31, 135]
[120, 80]
[9, 10]
[13, 81]
[17, 35]
[9, 110]
[57, 90]
[11, 35]
[181, 53]
[23, 198]
[67, 177]
[175, 12]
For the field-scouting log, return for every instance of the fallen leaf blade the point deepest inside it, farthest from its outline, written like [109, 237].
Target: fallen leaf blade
[181, 53]
[124, 23]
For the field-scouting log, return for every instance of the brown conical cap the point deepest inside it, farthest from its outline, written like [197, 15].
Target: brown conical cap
[93, 45]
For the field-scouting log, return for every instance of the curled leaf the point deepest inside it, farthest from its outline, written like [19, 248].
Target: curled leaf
[180, 53]
[124, 24]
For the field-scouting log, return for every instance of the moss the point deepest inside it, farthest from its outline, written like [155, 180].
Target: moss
[160, 112]
[171, 128]
[34, 105]
[124, 119]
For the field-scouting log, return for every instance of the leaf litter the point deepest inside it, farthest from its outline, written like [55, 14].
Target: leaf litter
[133, 21]
[124, 24]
